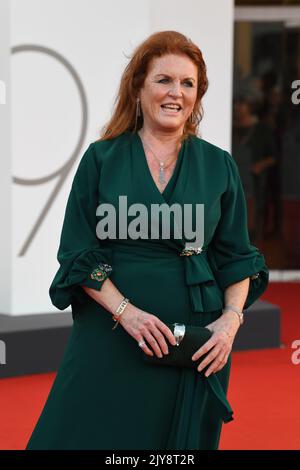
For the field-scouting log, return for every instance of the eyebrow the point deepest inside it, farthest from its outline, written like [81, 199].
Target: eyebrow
[168, 76]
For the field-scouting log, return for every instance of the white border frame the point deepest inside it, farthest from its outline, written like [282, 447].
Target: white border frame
[267, 13]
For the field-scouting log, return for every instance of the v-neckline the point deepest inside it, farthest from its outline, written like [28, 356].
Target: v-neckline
[146, 166]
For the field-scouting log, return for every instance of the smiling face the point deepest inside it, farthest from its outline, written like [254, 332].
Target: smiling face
[171, 79]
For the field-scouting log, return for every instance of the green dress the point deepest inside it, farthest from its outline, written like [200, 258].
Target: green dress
[104, 395]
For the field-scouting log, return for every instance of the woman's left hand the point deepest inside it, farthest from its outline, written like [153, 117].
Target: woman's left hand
[224, 330]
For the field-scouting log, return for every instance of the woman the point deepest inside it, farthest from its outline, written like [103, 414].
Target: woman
[105, 396]
[254, 150]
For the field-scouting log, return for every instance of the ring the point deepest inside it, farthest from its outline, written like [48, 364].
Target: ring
[142, 343]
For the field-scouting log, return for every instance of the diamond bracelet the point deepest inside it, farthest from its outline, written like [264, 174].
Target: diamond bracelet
[119, 311]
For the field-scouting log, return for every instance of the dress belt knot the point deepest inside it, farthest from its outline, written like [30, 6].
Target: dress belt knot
[199, 279]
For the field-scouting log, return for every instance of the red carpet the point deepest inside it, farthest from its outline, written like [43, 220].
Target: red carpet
[264, 391]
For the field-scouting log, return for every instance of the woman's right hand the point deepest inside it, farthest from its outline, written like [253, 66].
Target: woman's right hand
[143, 326]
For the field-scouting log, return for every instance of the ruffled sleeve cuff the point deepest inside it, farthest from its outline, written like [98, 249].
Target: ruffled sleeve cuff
[252, 266]
[91, 268]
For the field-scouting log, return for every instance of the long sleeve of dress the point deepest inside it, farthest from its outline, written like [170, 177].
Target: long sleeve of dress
[82, 258]
[233, 257]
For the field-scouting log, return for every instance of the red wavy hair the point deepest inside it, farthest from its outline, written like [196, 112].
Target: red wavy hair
[133, 77]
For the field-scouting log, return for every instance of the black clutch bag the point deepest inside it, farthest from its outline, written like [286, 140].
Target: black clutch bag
[189, 339]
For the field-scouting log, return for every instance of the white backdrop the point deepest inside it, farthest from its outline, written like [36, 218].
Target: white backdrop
[5, 165]
[66, 62]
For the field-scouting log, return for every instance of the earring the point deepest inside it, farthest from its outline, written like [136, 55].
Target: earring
[193, 118]
[138, 107]
[137, 113]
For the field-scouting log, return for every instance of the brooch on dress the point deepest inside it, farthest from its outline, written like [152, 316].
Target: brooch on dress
[101, 272]
[190, 250]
